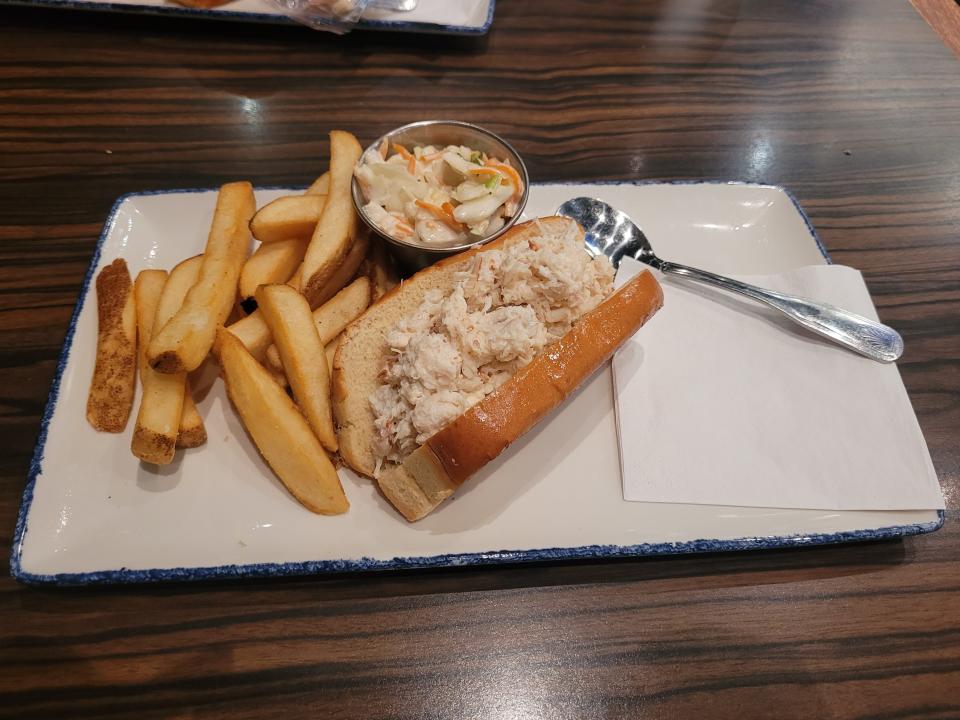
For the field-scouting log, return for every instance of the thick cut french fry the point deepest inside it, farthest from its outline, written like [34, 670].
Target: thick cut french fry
[271, 358]
[330, 351]
[301, 351]
[193, 433]
[333, 316]
[146, 293]
[278, 377]
[184, 276]
[279, 431]
[182, 344]
[292, 217]
[271, 263]
[253, 332]
[338, 225]
[115, 372]
[320, 186]
[161, 402]
[345, 273]
[294, 280]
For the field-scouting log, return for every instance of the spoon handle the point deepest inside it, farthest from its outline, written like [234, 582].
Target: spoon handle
[865, 336]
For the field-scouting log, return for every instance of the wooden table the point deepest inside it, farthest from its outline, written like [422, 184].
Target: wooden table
[854, 105]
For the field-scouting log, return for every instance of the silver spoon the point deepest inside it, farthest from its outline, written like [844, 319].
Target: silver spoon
[612, 233]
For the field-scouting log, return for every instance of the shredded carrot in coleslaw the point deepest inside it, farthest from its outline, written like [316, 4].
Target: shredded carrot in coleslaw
[443, 212]
[510, 173]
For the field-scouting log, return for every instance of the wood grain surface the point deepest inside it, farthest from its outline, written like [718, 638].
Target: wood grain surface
[854, 105]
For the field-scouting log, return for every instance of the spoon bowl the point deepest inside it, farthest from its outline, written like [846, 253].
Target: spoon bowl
[609, 231]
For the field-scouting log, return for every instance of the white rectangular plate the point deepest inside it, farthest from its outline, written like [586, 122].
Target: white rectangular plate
[446, 17]
[92, 513]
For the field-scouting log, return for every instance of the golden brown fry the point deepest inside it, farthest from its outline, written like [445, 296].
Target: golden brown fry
[320, 186]
[292, 217]
[271, 359]
[278, 377]
[192, 433]
[301, 351]
[345, 273]
[294, 280]
[182, 344]
[279, 431]
[184, 276]
[253, 332]
[333, 316]
[115, 372]
[330, 351]
[146, 292]
[161, 402]
[341, 310]
[271, 263]
[338, 225]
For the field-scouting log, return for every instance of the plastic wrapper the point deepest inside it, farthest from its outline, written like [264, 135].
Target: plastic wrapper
[337, 16]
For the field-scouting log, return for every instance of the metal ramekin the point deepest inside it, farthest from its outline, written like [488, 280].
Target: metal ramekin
[414, 256]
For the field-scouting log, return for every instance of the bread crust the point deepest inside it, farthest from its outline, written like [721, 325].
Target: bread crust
[455, 452]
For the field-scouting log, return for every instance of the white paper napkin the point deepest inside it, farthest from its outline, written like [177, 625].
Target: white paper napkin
[721, 401]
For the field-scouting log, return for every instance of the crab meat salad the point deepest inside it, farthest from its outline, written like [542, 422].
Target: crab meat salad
[437, 197]
[505, 306]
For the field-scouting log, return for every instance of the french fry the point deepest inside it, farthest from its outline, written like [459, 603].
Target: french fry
[280, 432]
[271, 263]
[338, 225]
[192, 432]
[252, 330]
[115, 371]
[331, 350]
[146, 292]
[332, 317]
[161, 402]
[292, 217]
[271, 358]
[182, 343]
[345, 273]
[294, 280]
[278, 255]
[183, 277]
[320, 186]
[278, 377]
[302, 352]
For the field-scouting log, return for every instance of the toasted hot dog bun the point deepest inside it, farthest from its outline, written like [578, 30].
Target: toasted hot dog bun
[432, 472]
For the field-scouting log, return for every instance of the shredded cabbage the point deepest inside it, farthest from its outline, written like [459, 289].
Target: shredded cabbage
[437, 197]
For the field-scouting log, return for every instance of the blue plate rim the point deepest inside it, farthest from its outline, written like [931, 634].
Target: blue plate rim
[269, 18]
[318, 567]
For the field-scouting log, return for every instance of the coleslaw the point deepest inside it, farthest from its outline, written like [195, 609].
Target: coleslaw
[437, 197]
